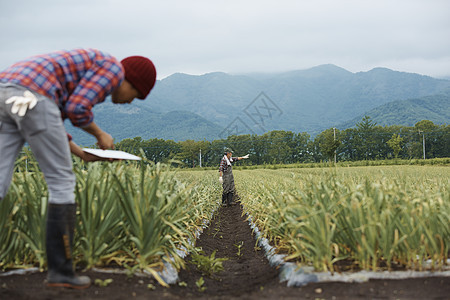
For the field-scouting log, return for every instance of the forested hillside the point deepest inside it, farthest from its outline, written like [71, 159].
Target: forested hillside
[408, 112]
[367, 141]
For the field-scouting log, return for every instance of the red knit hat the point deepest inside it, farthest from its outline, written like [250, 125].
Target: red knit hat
[141, 73]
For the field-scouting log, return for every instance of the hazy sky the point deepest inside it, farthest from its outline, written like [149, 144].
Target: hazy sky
[237, 36]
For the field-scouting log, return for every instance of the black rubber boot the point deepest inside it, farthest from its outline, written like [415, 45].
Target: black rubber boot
[224, 199]
[230, 199]
[59, 238]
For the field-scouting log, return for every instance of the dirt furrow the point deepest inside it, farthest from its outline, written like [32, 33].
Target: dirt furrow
[246, 269]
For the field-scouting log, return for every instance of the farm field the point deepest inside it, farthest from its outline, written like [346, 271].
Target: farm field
[324, 220]
[376, 218]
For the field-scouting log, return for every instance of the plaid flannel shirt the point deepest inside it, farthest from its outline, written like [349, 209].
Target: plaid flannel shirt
[223, 164]
[76, 80]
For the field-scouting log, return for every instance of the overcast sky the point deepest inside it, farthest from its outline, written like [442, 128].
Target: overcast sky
[237, 36]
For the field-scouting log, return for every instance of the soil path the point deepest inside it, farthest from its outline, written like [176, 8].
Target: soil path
[246, 269]
[246, 275]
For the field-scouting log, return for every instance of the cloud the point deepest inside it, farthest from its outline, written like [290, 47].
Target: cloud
[202, 36]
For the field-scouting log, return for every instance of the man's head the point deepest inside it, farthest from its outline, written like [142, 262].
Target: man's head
[140, 77]
[228, 152]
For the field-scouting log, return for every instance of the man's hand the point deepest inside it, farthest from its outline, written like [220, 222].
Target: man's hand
[22, 103]
[105, 141]
[246, 156]
[87, 157]
[221, 179]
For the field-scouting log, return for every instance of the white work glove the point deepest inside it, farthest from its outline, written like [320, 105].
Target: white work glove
[245, 156]
[220, 179]
[22, 103]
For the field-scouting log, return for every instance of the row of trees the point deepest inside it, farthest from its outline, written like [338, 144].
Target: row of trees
[367, 141]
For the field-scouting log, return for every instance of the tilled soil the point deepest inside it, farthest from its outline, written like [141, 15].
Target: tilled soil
[246, 275]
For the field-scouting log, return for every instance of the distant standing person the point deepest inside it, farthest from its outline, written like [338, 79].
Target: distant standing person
[226, 177]
[36, 94]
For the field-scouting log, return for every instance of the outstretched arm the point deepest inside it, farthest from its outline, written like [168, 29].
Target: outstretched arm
[243, 157]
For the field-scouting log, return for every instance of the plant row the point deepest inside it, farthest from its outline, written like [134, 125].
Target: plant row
[360, 218]
[134, 216]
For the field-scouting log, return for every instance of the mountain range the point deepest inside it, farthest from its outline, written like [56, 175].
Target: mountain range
[215, 105]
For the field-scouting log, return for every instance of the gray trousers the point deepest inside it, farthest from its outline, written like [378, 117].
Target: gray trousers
[228, 181]
[43, 129]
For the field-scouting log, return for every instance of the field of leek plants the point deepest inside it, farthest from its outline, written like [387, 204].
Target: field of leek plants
[130, 215]
[136, 215]
[372, 218]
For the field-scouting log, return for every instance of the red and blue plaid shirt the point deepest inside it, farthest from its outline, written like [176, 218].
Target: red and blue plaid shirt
[224, 165]
[76, 80]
